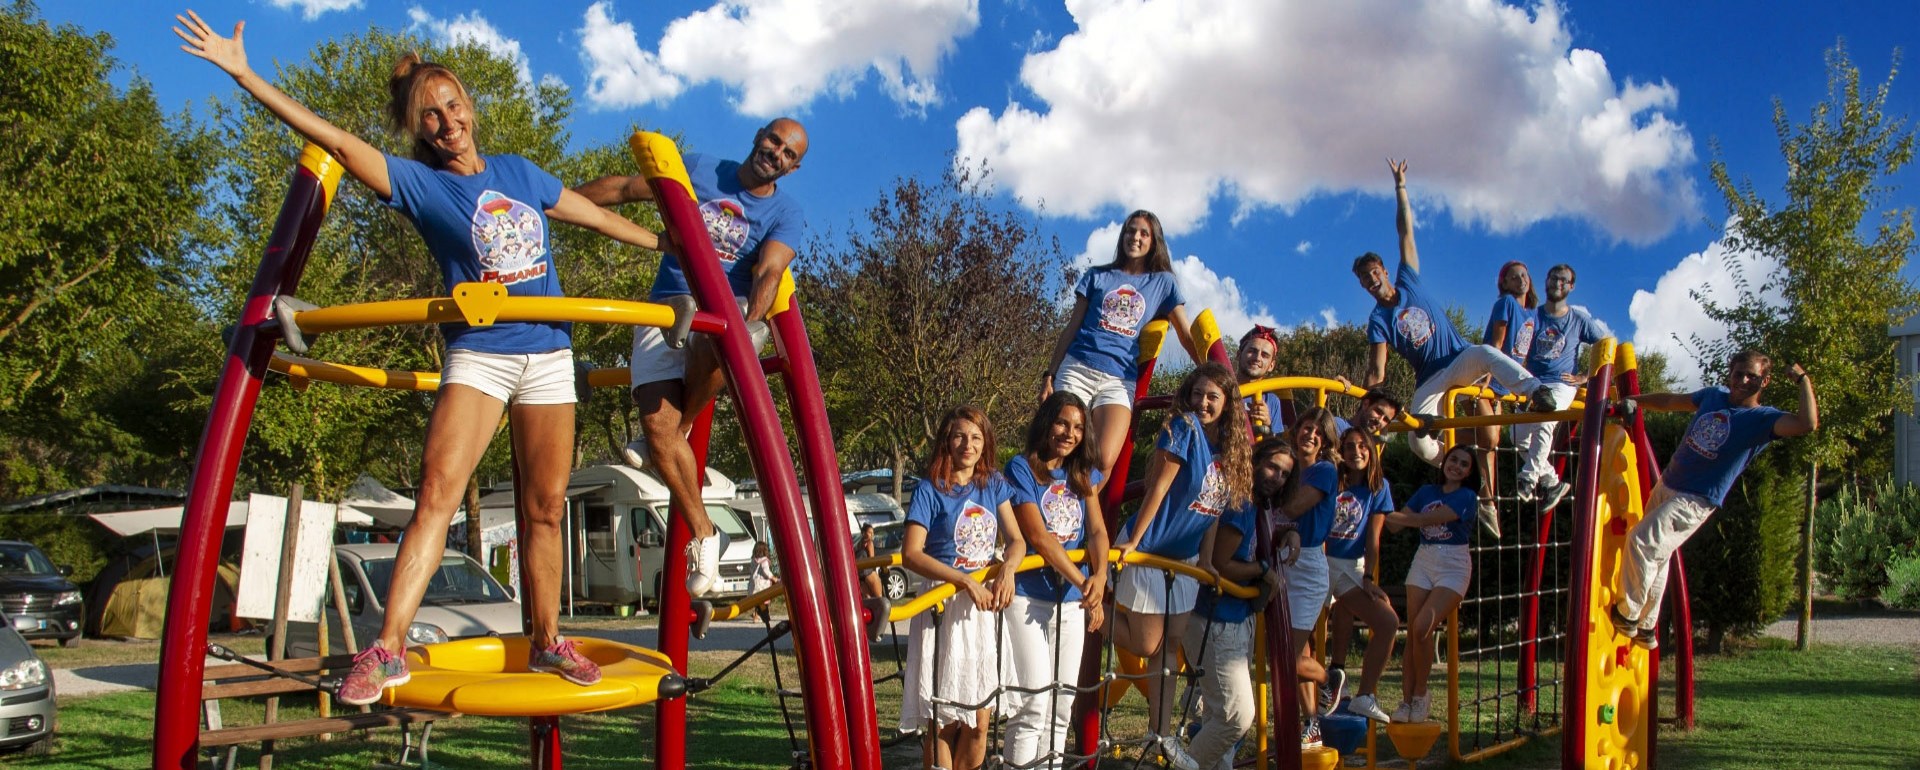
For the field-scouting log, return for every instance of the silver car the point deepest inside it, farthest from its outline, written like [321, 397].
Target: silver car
[26, 694]
[462, 601]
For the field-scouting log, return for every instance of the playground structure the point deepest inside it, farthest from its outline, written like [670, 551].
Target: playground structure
[1597, 688]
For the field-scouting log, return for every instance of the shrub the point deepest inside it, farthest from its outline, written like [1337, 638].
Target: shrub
[1861, 531]
[1903, 583]
[1741, 563]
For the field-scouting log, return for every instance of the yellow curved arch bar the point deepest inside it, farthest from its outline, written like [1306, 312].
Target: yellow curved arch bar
[659, 158]
[488, 676]
[399, 379]
[945, 591]
[508, 310]
[1204, 331]
[323, 167]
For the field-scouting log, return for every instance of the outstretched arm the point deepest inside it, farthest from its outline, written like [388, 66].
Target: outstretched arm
[774, 259]
[1805, 421]
[616, 190]
[230, 54]
[575, 209]
[1664, 402]
[1178, 318]
[1403, 219]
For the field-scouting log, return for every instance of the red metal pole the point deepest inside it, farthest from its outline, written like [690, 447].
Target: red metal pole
[183, 642]
[809, 408]
[676, 614]
[1585, 562]
[773, 465]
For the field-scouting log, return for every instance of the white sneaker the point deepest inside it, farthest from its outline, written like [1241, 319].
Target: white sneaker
[1489, 517]
[1177, 756]
[703, 563]
[1369, 707]
[1403, 713]
[1421, 708]
[1551, 492]
[635, 452]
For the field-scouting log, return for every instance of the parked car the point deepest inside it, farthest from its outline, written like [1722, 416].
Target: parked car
[462, 601]
[896, 580]
[37, 596]
[26, 694]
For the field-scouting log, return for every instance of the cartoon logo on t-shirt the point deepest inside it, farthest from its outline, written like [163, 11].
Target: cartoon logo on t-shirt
[1552, 343]
[1414, 325]
[727, 225]
[1436, 532]
[510, 238]
[1213, 492]
[1346, 517]
[974, 532]
[1122, 309]
[1523, 338]
[1709, 432]
[1061, 510]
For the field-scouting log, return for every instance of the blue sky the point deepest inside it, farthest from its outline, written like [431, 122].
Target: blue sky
[1576, 132]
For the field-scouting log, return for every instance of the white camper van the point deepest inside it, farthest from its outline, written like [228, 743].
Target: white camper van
[617, 517]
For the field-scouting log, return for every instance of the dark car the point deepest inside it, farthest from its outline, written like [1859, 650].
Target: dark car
[26, 695]
[37, 597]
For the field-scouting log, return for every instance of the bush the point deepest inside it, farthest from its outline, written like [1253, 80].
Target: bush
[1903, 583]
[1861, 531]
[1741, 563]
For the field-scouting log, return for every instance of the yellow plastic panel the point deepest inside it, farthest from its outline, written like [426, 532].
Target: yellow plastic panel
[659, 158]
[1617, 722]
[1151, 338]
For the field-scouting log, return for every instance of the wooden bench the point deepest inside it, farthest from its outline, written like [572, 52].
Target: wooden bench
[237, 680]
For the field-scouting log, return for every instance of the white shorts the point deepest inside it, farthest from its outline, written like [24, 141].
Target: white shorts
[1093, 386]
[1346, 575]
[534, 378]
[1306, 587]
[1143, 590]
[652, 360]
[1441, 566]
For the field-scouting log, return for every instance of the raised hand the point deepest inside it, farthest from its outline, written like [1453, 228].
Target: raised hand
[229, 54]
[1797, 371]
[1399, 168]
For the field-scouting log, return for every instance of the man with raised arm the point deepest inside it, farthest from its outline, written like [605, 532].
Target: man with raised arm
[1559, 329]
[1729, 427]
[1405, 319]
[754, 227]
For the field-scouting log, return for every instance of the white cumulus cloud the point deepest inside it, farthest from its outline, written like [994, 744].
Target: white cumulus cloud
[1668, 318]
[778, 56]
[473, 29]
[1303, 247]
[620, 74]
[1169, 104]
[311, 9]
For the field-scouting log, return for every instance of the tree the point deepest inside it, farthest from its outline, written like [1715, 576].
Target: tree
[98, 197]
[1841, 291]
[943, 298]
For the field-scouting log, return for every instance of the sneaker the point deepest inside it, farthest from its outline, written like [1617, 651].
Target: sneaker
[1421, 706]
[1403, 713]
[703, 563]
[1525, 492]
[1369, 707]
[1330, 692]
[1551, 492]
[564, 658]
[1310, 735]
[635, 452]
[1543, 400]
[1177, 756]
[1489, 517]
[374, 670]
[1622, 624]
[1647, 638]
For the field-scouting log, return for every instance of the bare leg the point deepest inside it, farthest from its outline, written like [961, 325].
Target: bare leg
[463, 423]
[1425, 614]
[672, 457]
[704, 380]
[1340, 632]
[970, 744]
[1381, 625]
[1149, 636]
[1488, 439]
[543, 450]
[1110, 424]
[1308, 670]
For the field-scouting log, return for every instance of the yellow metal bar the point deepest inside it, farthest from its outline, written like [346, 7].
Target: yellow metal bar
[1262, 690]
[511, 309]
[1453, 682]
[341, 374]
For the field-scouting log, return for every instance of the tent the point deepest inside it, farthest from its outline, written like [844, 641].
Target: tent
[369, 498]
[166, 521]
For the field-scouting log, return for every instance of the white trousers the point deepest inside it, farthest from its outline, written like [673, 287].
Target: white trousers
[1671, 518]
[1535, 441]
[1226, 687]
[1043, 645]
[1470, 365]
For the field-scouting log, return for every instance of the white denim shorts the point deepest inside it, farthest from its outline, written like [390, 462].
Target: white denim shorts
[1142, 589]
[534, 378]
[1346, 575]
[1306, 587]
[652, 360]
[1441, 566]
[1093, 386]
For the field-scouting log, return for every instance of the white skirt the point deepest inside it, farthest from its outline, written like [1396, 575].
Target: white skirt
[954, 659]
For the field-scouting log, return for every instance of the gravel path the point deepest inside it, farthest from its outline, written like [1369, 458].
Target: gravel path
[1853, 625]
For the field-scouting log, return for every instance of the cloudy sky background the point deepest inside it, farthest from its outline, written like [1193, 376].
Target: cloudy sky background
[1576, 132]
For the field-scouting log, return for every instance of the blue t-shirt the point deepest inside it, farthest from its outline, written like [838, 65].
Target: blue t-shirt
[1464, 501]
[1520, 327]
[1316, 523]
[1556, 342]
[1719, 443]
[1198, 495]
[1065, 515]
[963, 527]
[738, 221]
[489, 227]
[1353, 512]
[1224, 607]
[1119, 305]
[1415, 328]
[1276, 421]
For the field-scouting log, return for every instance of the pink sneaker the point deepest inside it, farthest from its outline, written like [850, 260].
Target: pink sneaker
[564, 658]
[374, 670]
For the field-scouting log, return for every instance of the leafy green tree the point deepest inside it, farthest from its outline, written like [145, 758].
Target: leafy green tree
[944, 297]
[99, 192]
[1841, 288]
